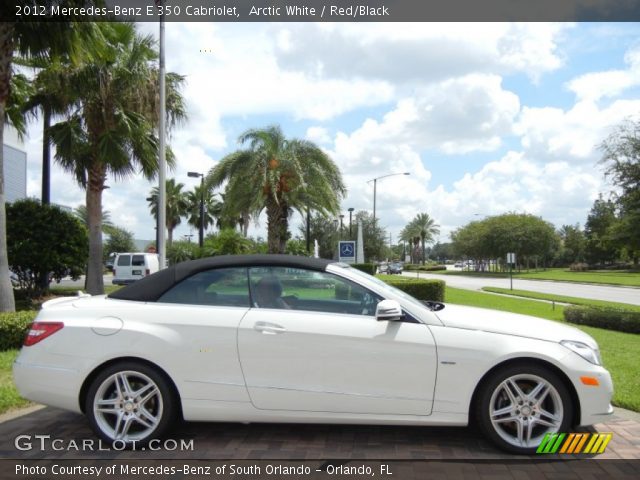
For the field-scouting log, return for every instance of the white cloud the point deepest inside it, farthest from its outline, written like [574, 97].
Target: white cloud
[419, 52]
[574, 135]
[318, 135]
[611, 83]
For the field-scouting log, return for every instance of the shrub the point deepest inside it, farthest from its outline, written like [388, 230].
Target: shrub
[432, 268]
[604, 317]
[369, 268]
[579, 267]
[411, 266]
[419, 288]
[44, 240]
[13, 328]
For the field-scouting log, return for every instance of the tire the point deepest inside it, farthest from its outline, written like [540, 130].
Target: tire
[130, 403]
[519, 404]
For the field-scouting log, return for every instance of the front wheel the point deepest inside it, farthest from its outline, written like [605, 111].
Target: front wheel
[520, 404]
[130, 403]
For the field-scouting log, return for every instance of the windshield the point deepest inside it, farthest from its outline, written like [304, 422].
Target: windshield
[385, 285]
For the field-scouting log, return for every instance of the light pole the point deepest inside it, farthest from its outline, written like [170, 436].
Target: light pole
[341, 218]
[162, 161]
[350, 215]
[375, 185]
[201, 232]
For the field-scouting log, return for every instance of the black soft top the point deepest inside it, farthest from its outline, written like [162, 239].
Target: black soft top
[150, 288]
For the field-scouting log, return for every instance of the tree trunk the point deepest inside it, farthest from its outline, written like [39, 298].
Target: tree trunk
[46, 156]
[277, 226]
[7, 302]
[95, 282]
[423, 256]
[169, 237]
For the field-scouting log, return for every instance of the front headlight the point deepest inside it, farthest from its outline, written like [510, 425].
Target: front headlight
[584, 350]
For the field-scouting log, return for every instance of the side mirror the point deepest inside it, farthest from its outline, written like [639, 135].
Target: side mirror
[388, 310]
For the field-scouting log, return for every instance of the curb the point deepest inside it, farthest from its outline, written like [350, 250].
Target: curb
[21, 412]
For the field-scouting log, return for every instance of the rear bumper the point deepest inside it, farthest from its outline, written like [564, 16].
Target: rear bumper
[54, 386]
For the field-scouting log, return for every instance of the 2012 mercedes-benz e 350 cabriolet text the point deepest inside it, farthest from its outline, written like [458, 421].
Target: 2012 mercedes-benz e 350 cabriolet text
[276, 338]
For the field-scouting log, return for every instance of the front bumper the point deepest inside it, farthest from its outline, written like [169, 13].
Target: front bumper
[595, 401]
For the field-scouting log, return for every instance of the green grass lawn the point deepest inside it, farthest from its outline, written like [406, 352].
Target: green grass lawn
[630, 278]
[619, 350]
[562, 298]
[9, 397]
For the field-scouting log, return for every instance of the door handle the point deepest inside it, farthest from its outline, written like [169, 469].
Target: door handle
[269, 328]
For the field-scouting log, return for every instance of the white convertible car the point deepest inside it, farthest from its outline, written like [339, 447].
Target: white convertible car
[276, 338]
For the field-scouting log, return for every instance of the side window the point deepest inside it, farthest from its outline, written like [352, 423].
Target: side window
[300, 289]
[222, 287]
[124, 260]
[137, 261]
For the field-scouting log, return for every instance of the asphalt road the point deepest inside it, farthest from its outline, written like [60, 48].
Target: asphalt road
[596, 292]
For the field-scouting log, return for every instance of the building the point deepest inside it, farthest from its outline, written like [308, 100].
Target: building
[15, 165]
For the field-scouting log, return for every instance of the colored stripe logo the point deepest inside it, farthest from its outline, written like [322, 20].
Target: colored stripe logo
[592, 443]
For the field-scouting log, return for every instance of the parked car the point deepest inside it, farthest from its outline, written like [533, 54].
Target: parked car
[130, 267]
[395, 268]
[383, 267]
[256, 338]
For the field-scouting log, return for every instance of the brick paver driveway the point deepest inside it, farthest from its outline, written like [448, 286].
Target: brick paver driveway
[332, 443]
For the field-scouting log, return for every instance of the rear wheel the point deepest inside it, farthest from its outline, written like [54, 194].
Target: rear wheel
[520, 404]
[131, 403]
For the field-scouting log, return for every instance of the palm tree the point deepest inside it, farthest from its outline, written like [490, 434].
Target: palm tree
[177, 206]
[28, 39]
[51, 97]
[111, 129]
[411, 234]
[278, 175]
[211, 207]
[426, 229]
[107, 224]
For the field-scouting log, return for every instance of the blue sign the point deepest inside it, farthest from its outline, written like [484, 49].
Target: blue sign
[347, 251]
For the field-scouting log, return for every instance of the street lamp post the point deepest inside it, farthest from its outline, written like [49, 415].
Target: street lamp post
[201, 232]
[350, 214]
[375, 186]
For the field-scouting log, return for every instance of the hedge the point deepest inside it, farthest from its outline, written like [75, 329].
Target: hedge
[604, 317]
[369, 268]
[412, 267]
[420, 288]
[13, 328]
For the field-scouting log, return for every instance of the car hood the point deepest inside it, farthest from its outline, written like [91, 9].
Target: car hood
[507, 323]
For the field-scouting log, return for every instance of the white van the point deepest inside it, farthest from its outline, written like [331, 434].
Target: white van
[129, 267]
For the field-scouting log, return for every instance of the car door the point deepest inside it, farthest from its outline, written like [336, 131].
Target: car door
[138, 266]
[324, 351]
[203, 312]
[123, 268]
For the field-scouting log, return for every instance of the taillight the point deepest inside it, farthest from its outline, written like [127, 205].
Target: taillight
[41, 330]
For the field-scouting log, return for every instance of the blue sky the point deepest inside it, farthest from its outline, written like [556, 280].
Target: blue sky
[488, 118]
